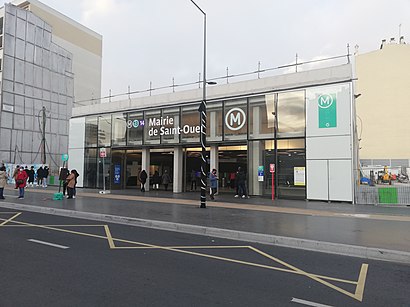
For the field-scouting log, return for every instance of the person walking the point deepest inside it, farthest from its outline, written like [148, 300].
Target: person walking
[40, 175]
[213, 178]
[3, 180]
[31, 174]
[156, 181]
[16, 171]
[21, 180]
[166, 179]
[241, 184]
[143, 179]
[46, 172]
[76, 175]
[71, 184]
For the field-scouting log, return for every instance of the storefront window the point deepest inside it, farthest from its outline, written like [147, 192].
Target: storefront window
[214, 124]
[235, 115]
[190, 124]
[152, 127]
[135, 129]
[291, 114]
[90, 167]
[91, 131]
[261, 119]
[170, 128]
[104, 130]
[119, 129]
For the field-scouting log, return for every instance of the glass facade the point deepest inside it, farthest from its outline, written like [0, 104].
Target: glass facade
[270, 127]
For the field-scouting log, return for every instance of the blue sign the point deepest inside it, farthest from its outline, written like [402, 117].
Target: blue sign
[261, 173]
[117, 174]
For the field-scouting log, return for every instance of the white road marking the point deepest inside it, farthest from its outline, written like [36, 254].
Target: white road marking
[308, 303]
[49, 244]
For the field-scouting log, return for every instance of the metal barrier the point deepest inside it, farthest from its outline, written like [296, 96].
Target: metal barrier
[395, 194]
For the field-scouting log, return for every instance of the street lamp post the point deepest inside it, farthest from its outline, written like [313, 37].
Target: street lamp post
[202, 111]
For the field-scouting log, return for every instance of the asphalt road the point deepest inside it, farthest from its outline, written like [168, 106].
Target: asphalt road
[98, 264]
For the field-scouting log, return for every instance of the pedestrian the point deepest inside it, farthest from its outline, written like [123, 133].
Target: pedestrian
[31, 174]
[143, 179]
[241, 184]
[71, 184]
[45, 175]
[193, 180]
[21, 180]
[213, 178]
[16, 171]
[156, 181]
[76, 175]
[40, 175]
[166, 179]
[3, 180]
[63, 177]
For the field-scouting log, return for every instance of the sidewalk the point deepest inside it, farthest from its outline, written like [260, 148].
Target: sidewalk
[366, 231]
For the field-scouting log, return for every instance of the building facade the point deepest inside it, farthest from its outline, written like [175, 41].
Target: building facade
[383, 108]
[294, 132]
[39, 81]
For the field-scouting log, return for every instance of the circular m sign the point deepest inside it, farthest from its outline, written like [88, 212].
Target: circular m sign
[235, 119]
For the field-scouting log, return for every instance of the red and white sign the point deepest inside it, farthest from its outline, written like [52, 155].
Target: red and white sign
[103, 153]
[272, 168]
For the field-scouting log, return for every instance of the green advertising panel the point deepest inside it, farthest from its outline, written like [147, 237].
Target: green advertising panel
[327, 111]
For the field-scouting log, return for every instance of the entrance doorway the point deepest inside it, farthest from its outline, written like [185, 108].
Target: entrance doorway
[230, 158]
[162, 161]
[192, 169]
[125, 166]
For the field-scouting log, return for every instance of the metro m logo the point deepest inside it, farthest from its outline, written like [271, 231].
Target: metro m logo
[325, 101]
[235, 119]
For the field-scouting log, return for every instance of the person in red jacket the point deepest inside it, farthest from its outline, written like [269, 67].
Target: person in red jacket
[21, 179]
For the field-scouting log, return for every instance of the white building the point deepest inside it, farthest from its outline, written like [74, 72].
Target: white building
[303, 123]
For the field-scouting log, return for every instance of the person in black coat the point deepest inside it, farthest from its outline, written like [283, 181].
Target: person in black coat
[143, 179]
[156, 181]
[40, 176]
[31, 174]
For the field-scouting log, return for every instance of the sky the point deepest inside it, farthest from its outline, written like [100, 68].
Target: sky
[157, 40]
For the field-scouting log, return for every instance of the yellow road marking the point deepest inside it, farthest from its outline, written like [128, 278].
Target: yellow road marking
[355, 296]
[361, 282]
[10, 219]
[292, 269]
[109, 236]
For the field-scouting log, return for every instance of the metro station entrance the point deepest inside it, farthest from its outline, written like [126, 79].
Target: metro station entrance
[230, 158]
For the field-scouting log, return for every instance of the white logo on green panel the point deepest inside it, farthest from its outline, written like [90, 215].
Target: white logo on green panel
[327, 111]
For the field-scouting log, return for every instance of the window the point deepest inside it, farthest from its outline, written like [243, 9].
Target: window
[261, 119]
[214, 124]
[119, 129]
[104, 130]
[91, 131]
[291, 114]
[190, 124]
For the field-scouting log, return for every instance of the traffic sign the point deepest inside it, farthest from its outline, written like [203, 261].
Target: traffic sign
[103, 152]
[64, 157]
[272, 168]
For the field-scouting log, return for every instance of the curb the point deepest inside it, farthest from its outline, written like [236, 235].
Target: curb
[305, 244]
